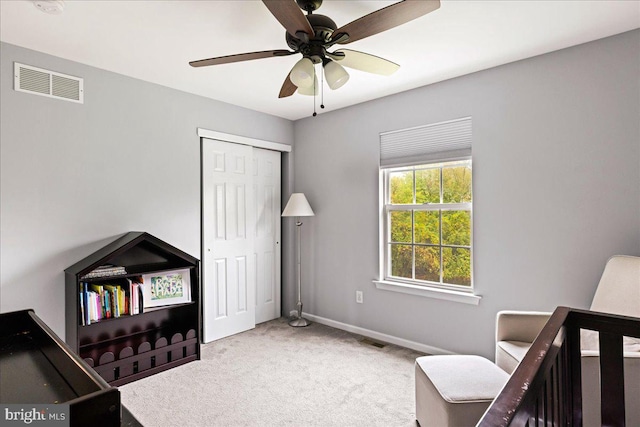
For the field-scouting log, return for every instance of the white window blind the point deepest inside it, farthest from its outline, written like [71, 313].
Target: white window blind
[439, 142]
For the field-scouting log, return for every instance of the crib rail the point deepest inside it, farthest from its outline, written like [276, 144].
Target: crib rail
[546, 387]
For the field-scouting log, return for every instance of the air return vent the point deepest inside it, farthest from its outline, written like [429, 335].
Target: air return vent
[48, 83]
[369, 341]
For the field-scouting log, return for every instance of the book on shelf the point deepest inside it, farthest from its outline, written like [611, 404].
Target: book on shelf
[105, 271]
[114, 299]
[110, 300]
[136, 300]
[82, 305]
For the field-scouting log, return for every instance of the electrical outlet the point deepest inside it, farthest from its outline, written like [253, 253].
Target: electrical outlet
[359, 298]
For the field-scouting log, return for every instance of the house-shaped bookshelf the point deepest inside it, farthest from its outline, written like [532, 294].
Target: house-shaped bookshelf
[132, 343]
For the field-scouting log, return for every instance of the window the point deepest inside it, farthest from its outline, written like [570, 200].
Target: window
[426, 242]
[428, 224]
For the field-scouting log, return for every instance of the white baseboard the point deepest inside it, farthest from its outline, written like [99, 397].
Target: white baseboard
[423, 348]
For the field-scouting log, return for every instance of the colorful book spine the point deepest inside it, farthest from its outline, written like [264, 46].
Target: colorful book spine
[82, 317]
[85, 298]
[84, 305]
[107, 304]
[136, 299]
[135, 296]
[94, 304]
[98, 301]
[122, 304]
[114, 299]
[135, 309]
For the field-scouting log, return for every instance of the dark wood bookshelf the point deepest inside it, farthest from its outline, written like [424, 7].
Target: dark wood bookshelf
[133, 346]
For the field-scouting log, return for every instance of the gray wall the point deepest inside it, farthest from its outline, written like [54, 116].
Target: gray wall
[556, 158]
[76, 176]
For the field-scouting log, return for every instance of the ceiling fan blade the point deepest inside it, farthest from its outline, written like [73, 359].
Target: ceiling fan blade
[240, 57]
[385, 19]
[366, 62]
[288, 88]
[289, 14]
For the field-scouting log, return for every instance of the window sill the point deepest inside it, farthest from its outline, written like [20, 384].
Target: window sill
[445, 294]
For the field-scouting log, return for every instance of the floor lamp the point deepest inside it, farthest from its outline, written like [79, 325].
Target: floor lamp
[298, 206]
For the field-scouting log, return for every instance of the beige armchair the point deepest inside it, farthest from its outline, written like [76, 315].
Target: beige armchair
[618, 293]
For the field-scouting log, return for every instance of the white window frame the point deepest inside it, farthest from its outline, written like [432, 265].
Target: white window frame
[440, 290]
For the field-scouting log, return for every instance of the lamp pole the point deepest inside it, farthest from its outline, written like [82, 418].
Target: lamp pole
[300, 321]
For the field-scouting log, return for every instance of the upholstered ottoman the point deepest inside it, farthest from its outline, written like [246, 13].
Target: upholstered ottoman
[455, 390]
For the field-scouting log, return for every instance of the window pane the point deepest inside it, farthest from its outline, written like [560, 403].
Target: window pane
[401, 226]
[401, 187]
[456, 185]
[427, 226]
[428, 186]
[457, 266]
[429, 243]
[456, 228]
[401, 265]
[428, 263]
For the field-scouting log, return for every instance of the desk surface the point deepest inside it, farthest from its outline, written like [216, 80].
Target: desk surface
[27, 376]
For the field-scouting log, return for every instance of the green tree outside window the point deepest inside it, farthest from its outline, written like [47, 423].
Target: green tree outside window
[429, 218]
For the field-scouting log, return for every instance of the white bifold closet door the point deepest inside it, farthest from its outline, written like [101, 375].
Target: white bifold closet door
[241, 237]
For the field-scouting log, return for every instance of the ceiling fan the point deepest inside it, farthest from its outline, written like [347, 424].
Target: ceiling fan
[314, 34]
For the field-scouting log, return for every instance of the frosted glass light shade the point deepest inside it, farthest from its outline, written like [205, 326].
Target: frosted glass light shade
[297, 206]
[311, 90]
[335, 74]
[53, 7]
[302, 73]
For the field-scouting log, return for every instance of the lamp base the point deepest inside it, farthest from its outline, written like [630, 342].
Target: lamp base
[298, 322]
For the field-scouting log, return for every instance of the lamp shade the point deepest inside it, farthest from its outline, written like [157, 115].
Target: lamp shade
[311, 90]
[336, 75]
[297, 206]
[302, 73]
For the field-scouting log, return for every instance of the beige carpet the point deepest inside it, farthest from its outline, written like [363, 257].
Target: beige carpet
[276, 375]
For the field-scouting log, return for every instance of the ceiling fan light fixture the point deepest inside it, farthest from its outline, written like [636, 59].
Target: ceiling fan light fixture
[303, 73]
[52, 7]
[310, 90]
[335, 74]
[311, 35]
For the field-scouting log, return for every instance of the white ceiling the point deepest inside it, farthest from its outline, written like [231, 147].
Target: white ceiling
[155, 40]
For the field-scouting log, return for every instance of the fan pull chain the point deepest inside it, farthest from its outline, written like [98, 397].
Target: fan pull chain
[322, 89]
[314, 96]
[321, 92]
